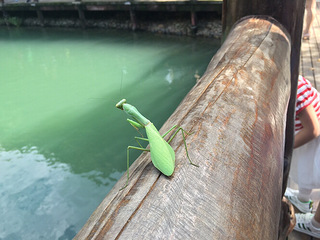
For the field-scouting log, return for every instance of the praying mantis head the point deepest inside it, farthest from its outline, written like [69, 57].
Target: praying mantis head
[120, 104]
[132, 112]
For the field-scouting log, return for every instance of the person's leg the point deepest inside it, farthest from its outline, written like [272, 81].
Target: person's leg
[304, 194]
[310, 15]
[301, 200]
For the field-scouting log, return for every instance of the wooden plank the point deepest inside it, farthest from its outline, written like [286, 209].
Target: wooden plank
[307, 61]
[300, 65]
[310, 54]
[302, 56]
[237, 113]
[316, 36]
[315, 63]
[313, 52]
[294, 235]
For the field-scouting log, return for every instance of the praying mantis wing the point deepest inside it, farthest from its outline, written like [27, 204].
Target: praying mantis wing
[162, 154]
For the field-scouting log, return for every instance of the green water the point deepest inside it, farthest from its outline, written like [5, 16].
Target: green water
[62, 141]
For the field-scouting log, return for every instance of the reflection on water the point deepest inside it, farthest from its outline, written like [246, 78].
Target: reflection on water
[169, 77]
[63, 142]
[36, 202]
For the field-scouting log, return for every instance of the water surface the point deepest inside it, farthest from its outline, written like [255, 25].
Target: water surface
[62, 141]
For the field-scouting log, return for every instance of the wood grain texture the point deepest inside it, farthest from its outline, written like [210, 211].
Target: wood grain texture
[237, 114]
[290, 14]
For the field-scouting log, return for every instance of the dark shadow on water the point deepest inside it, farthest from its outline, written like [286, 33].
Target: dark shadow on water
[69, 233]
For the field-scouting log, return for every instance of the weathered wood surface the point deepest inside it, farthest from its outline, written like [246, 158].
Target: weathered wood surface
[310, 53]
[290, 14]
[237, 114]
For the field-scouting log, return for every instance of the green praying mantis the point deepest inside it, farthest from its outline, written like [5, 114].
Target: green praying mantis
[162, 154]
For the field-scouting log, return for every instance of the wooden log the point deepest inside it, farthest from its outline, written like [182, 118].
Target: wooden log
[5, 15]
[194, 22]
[81, 14]
[194, 19]
[133, 19]
[40, 17]
[290, 14]
[237, 114]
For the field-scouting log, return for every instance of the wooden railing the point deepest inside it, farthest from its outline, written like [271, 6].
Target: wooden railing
[237, 114]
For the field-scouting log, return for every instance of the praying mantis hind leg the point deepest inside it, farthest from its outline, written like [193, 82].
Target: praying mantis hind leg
[184, 139]
[128, 160]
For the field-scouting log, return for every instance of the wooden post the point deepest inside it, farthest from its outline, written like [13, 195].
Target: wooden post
[4, 13]
[237, 114]
[133, 19]
[81, 15]
[193, 18]
[40, 17]
[290, 14]
[194, 21]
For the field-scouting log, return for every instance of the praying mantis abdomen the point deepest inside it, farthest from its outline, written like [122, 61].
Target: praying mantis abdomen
[162, 156]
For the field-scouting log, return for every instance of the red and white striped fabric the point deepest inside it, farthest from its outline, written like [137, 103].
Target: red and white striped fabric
[306, 95]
